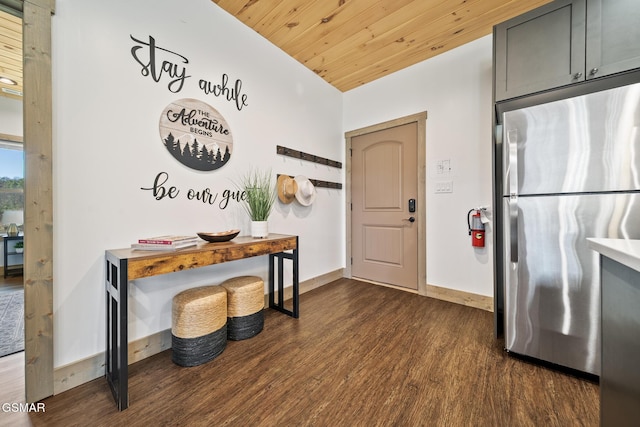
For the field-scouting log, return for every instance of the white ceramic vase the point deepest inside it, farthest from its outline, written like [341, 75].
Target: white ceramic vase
[259, 229]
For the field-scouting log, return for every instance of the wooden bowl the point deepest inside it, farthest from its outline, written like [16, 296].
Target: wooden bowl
[222, 236]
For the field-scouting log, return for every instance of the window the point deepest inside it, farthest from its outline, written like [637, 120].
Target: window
[11, 184]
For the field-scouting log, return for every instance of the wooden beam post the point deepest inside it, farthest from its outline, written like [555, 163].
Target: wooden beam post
[38, 200]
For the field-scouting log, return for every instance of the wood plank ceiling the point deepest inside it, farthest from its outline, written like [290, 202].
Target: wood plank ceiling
[352, 42]
[11, 55]
[346, 42]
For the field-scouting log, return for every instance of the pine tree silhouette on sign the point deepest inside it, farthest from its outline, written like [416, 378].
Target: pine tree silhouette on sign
[196, 156]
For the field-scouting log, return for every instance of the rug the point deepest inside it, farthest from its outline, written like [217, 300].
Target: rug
[11, 322]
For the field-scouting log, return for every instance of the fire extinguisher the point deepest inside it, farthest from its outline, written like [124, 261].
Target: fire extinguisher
[476, 228]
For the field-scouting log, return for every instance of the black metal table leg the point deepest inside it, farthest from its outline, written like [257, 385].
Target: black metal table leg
[116, 357]
[271, 283]
[296, 283]
[281, 256]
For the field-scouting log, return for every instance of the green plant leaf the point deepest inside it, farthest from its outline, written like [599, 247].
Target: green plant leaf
[260, 194]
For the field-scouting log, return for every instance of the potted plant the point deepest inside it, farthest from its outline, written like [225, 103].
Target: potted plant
[259, 198]
[19, 247]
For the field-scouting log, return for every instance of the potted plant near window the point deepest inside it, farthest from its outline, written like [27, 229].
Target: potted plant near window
[19, 247]
[259, 198]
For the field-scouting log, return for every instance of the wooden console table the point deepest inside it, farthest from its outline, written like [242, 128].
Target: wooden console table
[124, 265]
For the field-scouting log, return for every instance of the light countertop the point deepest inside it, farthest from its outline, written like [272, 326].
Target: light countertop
[624, 251]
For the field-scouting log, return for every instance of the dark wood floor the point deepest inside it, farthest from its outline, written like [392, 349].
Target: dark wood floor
[360, 355]
[10, 283]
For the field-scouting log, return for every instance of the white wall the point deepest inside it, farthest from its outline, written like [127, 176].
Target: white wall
[455, 90]
[107, 147]
[10, 116]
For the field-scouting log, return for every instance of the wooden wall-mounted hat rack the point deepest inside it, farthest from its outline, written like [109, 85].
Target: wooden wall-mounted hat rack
[315, 159]
[319, 183]
[308, 157]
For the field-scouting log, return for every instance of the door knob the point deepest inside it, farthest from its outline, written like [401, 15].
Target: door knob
[411, 219]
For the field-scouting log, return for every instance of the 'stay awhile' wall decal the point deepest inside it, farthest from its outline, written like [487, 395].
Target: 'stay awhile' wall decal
[161, 64]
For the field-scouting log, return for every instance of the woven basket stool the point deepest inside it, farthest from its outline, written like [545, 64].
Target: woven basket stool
[198, 325]
[245, 304]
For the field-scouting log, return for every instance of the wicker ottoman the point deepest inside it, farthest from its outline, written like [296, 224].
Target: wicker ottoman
[198, 325]
[245, 304]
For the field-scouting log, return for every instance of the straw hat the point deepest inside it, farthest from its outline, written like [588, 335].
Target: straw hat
[306, 193]
[287, 188]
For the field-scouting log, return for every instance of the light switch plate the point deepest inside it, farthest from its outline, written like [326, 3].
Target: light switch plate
[444, 187]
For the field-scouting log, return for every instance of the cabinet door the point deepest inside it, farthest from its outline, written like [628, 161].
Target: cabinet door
[613, 36]
[541, 49]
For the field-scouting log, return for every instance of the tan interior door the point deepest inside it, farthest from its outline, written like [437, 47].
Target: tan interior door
[384, 177]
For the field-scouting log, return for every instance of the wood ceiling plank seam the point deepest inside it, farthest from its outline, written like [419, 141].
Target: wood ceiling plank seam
[283, 16]
[304, 19]
[10, 34]
[400, 61]
[338, 23]
[390, 27]
[234, 7]
[397, 62]
[391, 46]
[260, 12]
[339, 28]
[413, 55]
[11, 50]
[403, 36]
[11, 56]
[372, 73]
[11, 64]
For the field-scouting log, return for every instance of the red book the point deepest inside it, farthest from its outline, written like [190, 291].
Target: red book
[168, 240]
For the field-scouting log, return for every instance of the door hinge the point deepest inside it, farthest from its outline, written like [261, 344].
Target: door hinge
[351, 152]
[351, 260]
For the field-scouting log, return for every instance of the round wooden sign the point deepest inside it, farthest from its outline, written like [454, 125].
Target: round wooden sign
[196, 134]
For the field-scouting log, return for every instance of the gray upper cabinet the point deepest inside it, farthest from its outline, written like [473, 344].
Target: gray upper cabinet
[613, 37]
[542, 49]
[565, 42]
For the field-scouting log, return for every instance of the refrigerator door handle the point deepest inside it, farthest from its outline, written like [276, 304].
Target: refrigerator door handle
[513, 227]
[512, 161]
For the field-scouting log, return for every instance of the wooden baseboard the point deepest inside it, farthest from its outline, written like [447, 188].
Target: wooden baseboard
[460, 297]
[451, 295]
[85, 370]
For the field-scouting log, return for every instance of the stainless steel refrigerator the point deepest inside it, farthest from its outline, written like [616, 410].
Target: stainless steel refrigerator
[571, 170]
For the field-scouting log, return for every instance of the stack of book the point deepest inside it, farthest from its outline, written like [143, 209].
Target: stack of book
[165, 243]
